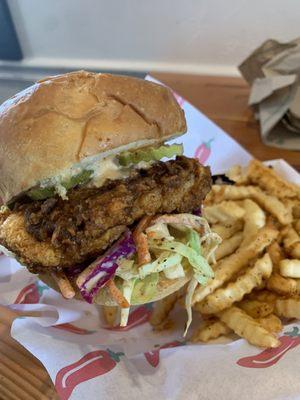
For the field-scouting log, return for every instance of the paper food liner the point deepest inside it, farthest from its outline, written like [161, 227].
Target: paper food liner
[85, 360]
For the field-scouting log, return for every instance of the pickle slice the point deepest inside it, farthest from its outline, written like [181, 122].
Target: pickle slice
[41, 193]
[150, 154]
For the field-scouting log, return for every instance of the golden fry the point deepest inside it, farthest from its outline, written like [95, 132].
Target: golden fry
[228, 246]
[229, 266]
[270, 203]
[261, 211]
[281, 285]
[271, 323]
[288, 308]
[297, 226]
[226, 231]
[276, 254]
[166, 325]
[264, 296]
[268, 180]
[255, 219]
[290, 268]
[236, 174]
[110, 314]
[245, 326]
[256, 308]
[162, 309]
[210, 330]
[296, 211]
[225, 212]
[224, 297]
[291, 242]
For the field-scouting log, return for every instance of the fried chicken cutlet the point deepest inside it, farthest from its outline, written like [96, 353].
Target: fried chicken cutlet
[56, 233]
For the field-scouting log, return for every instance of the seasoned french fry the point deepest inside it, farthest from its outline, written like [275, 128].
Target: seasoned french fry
[228, 267]
[264, 296]
[236, 174]
[288, 308]
[269, 203]
[290, 268]
[267, 179]
[270, 222]
[296, 211]
[297, 226]
[224, 297]
[162, 309]
[226, 231]
[225, 212]
[245, 326]
[256, 308]
[110, 314]
[210, 330]
[228, 246]
[291, 242]
[271, 323]
[255, 219]
[165, 325]
[281, 285]
[276, 254]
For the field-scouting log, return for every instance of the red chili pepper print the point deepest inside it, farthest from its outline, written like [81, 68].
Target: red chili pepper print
[30, 294]
[73, 329]
[203, 151]
[90, 366]
[269, 357]
[137, 317]
[153, 356]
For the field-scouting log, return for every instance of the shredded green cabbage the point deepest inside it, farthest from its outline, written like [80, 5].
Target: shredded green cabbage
[145, 289]
[188, 302]
[173, 253]
[128, 287]
[194, 240]
[149, 154]
[174, 272]
[165, 260]
[127, 269]
[197, 262]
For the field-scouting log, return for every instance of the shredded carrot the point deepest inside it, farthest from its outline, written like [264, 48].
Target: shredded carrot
[64, 284]
[141, 241]
[116, 294]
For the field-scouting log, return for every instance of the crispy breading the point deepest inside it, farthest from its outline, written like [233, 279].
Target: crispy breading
[61, 233]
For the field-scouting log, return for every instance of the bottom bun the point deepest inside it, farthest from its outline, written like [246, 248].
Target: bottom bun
[164, 288]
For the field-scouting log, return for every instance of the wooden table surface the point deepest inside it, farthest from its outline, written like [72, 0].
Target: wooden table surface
[224, 100]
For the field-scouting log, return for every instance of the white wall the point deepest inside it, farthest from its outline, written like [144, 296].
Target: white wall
[210, 36]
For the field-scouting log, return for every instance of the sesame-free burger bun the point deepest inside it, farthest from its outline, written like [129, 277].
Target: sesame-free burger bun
[65, 120]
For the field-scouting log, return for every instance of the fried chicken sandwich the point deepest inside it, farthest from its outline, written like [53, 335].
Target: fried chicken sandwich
[95, 201]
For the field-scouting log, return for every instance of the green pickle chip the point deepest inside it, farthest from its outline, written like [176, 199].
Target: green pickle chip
[150, 154]
[40, 193]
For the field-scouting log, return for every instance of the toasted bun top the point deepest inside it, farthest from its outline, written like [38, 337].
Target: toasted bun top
[61, 121]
